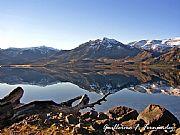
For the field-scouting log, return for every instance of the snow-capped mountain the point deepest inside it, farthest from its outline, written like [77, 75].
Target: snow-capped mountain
[25, 55]
[107, 48]
[97, 49]
[106, 42]
[157, 45]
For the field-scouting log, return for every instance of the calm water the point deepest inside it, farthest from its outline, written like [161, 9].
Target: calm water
[63, 85]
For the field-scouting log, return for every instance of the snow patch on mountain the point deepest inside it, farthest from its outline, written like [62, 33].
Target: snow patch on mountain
[109, 41]
[172, 42]
[156, 45]
[105, 42]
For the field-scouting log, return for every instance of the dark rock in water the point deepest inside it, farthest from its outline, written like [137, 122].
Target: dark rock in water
[156, 115]
[122, 113]
[70, 119]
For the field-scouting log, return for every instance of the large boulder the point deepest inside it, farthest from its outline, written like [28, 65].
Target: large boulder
[156, 115]
[178, 131]
[122, 113]
[13, 98]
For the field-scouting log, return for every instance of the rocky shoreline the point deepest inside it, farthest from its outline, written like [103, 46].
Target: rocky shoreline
[63, 118]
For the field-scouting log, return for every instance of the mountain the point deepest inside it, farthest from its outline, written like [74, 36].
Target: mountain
[156, 45]
[25, 55]
[96, 52]
[96, 49]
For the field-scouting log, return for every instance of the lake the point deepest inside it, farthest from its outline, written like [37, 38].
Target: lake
[131, 88]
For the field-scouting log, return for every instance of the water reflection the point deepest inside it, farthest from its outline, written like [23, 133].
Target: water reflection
[99, 81]
[132, 88]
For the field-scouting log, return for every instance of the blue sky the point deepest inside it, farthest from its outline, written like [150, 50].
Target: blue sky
[65, 24]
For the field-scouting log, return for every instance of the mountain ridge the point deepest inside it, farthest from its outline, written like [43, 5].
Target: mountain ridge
[146, 51]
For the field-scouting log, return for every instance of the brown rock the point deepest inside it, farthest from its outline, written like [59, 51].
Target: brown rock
[134, 126]
[85, 115]
[178, 131]
[112, 122]
[13, 98]
[122, 113]
[157, 132]
[93, 114]
[86, 122]
[102, 116]
[70, 119]
[80, 130]
[79, 125]
[6, 111]
[156, 115]
[89, 120]
[133, 123]
[99, 124]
